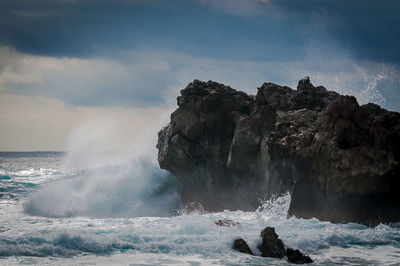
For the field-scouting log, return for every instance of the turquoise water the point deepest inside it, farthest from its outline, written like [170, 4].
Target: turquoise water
[124, 211]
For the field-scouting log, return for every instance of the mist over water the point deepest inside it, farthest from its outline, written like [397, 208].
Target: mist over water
[137, 188]
[107, 184]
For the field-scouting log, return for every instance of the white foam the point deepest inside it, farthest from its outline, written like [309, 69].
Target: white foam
[177, 240]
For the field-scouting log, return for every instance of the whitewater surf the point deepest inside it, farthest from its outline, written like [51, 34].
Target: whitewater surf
[123, 213]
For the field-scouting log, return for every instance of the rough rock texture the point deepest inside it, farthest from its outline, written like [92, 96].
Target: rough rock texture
[226, 223]
[201, 148]
[340, 161]
[241, 246]
[296, 257]
[271, 245]
[349, 171]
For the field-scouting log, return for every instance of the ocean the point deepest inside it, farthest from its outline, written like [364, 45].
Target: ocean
[121, 209]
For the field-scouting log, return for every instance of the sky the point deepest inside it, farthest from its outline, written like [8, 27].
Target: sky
[111, 70]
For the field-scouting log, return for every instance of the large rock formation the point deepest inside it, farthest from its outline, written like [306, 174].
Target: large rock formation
[340, 161]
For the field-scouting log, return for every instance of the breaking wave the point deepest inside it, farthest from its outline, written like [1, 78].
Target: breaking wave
[196, 234]
[137, 188]
[107, 184]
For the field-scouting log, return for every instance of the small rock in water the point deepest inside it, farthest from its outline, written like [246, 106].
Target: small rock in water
[226, 222]
[271, 245]
[241, 246]
[194, 207]
[295, 256]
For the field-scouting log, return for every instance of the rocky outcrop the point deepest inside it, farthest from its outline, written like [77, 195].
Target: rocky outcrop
[241, 246]
[339, 160]
[226, 223]
[271, 246]
[296, 257]
[305, 97]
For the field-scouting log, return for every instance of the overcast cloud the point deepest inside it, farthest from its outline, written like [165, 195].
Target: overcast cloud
[64, 64]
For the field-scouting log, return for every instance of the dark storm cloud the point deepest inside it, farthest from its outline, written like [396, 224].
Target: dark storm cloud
[87, 28]
[370, 29]
[63, 62]
[235, 32]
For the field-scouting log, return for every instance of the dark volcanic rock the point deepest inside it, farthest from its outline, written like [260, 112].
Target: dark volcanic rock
[200, 146]
[350, 169]
[285, 99]
[296, 257]
[374, 110]
[241, 246]
[340, 161]
[226, 223]
[271, 245]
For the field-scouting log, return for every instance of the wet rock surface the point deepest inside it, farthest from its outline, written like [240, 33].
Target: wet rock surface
[296, 257]
[226, 223]
[339, 160]
[271, 246]
[241, 246]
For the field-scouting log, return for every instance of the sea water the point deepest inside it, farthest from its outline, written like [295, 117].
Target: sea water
[121, 209]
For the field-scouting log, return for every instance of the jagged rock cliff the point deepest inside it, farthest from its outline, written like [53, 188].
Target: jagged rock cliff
[340, 161]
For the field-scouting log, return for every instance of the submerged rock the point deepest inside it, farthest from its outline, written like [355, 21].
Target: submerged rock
[241, 246]
[340, 161]
[296, 257]
[226, 223]
[271, 245]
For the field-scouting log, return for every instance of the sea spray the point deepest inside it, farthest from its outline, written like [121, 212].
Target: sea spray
[107, 184]
[138, 189]
[155, 240]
